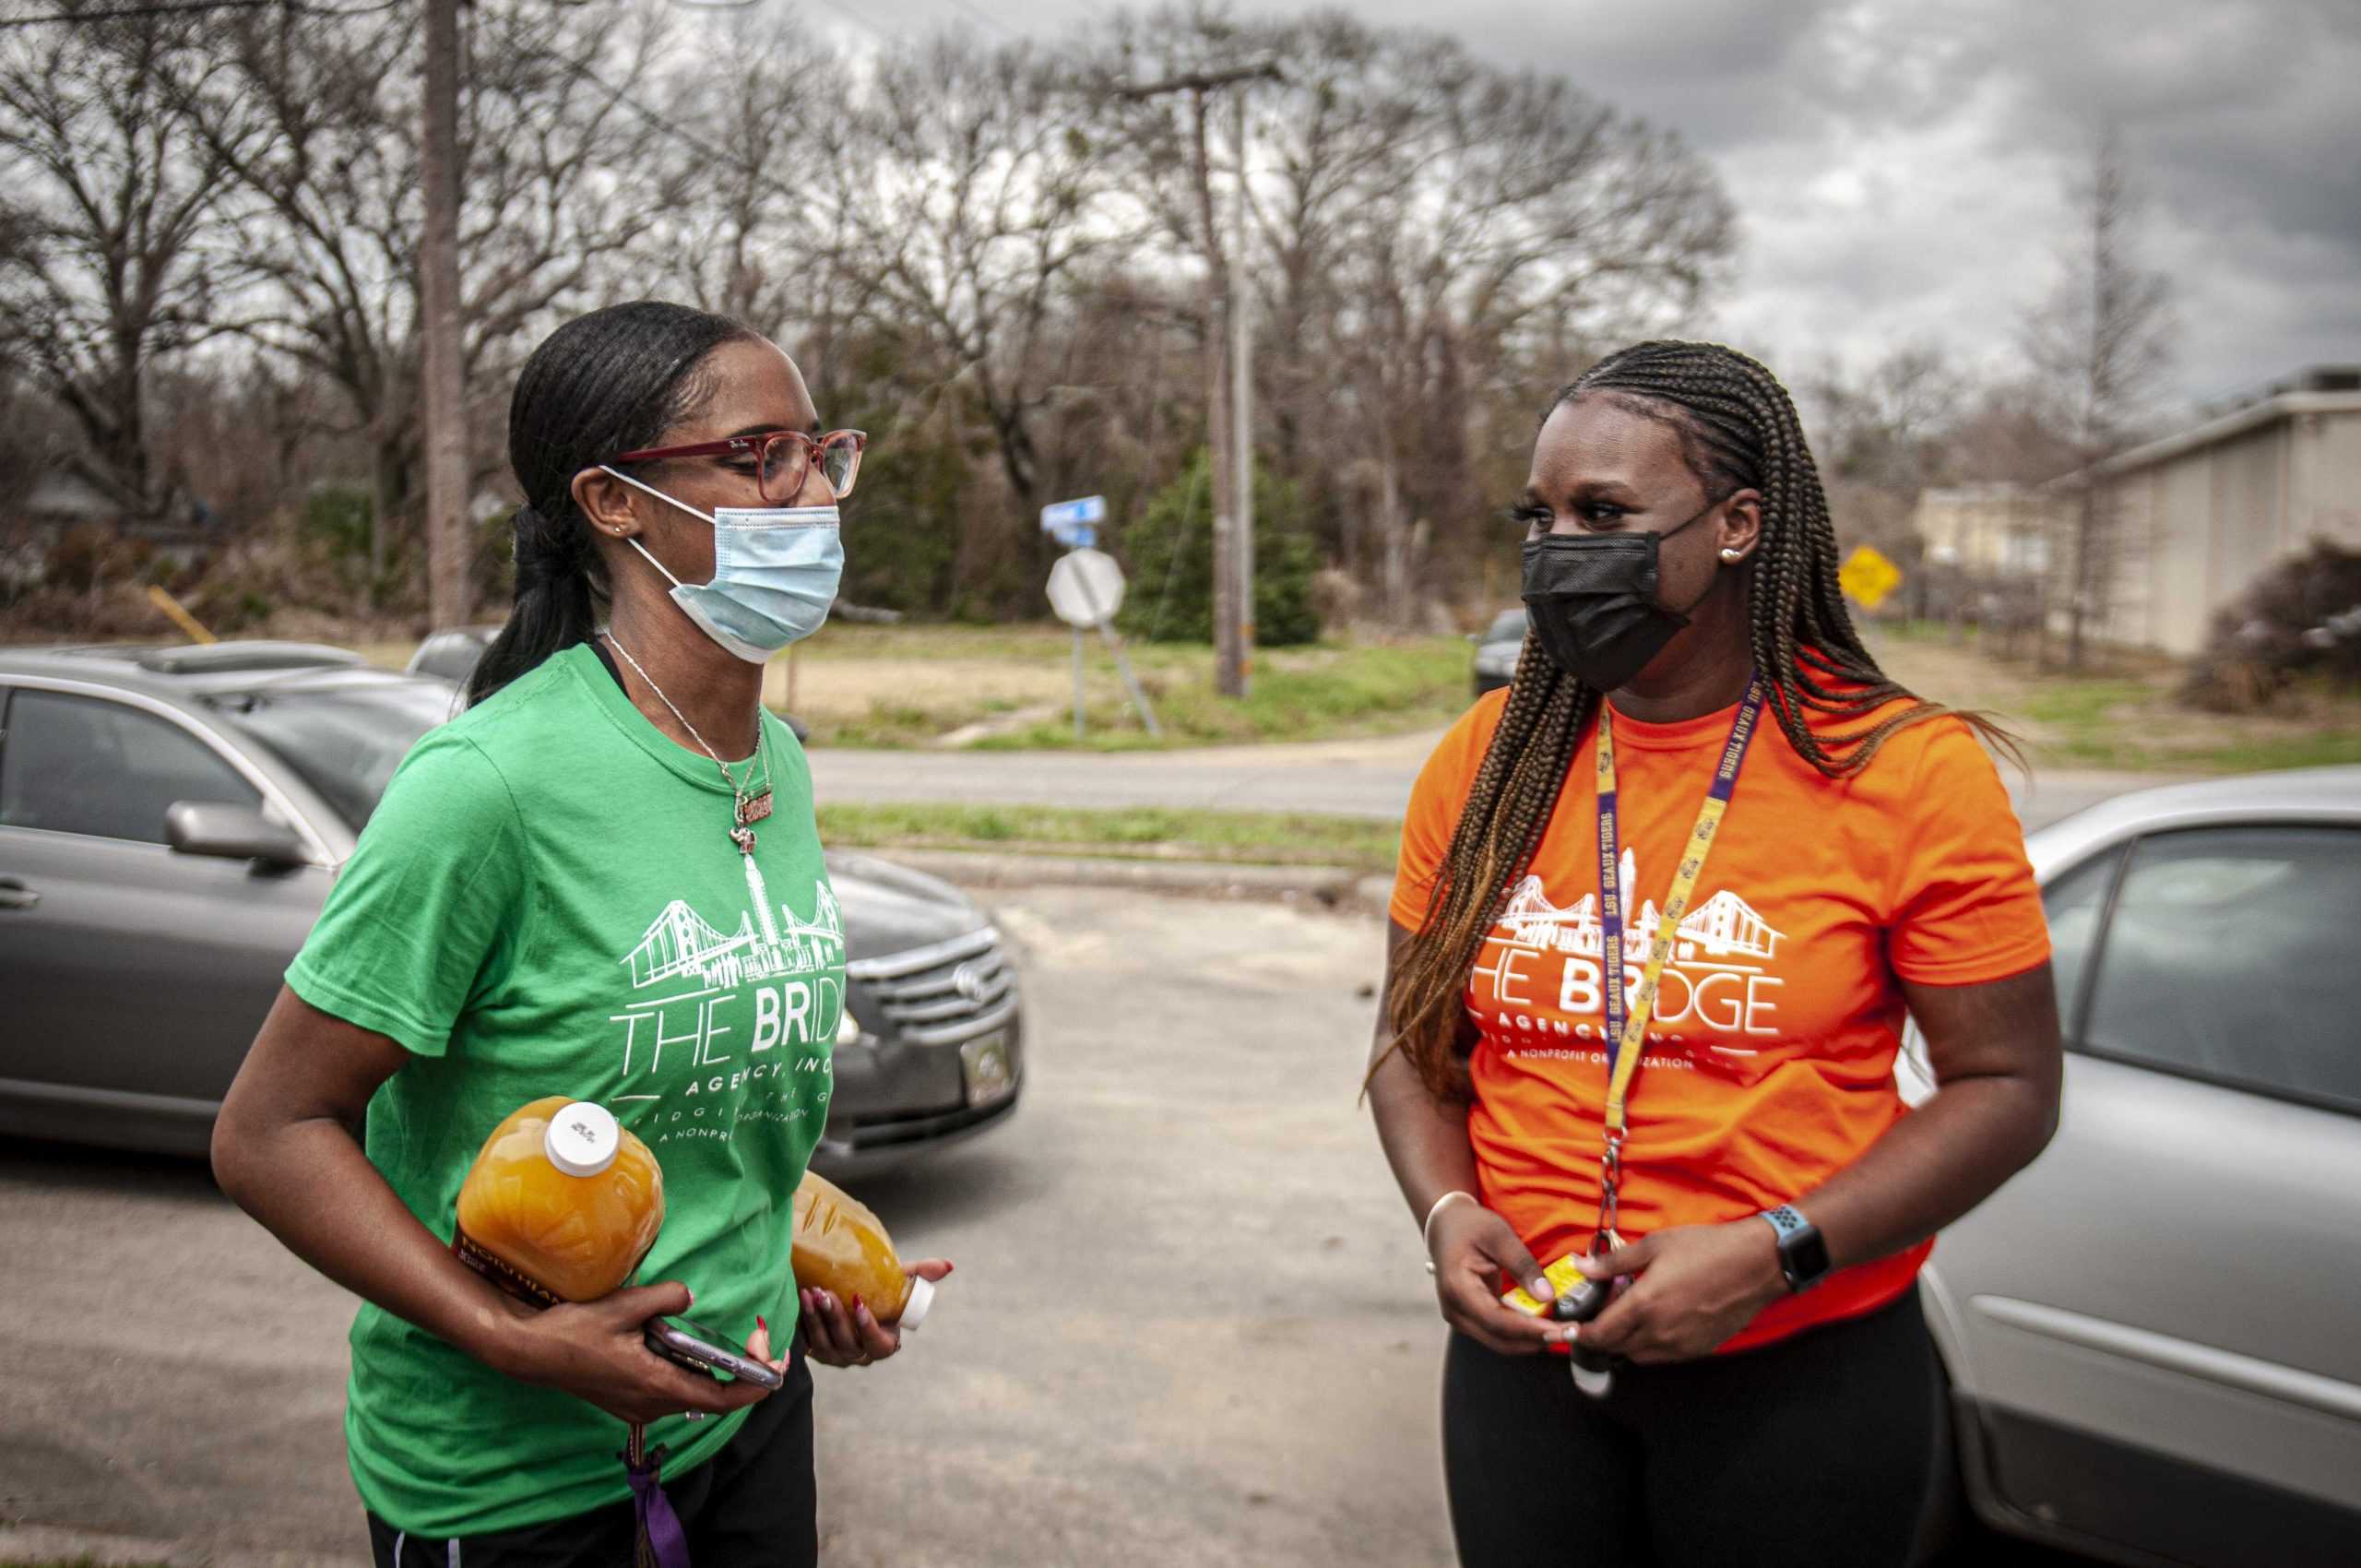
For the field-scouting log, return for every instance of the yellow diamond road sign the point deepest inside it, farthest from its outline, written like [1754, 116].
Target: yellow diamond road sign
[1867, 577]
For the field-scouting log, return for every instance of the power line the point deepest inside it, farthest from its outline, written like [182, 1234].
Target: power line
[856, 19]
[123, 12]
[986, 17]
[190, 7]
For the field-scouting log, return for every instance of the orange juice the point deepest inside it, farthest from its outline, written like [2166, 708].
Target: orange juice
[842, 1248]
[560, 1204]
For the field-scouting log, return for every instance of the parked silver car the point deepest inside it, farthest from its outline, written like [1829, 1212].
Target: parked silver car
[2154, 1334]
[171, 820]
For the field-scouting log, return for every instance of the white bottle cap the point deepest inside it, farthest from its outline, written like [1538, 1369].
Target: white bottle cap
[921, 1297]
[582, 1138]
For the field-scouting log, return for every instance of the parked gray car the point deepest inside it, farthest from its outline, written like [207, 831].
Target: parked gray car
[171, 819]
[2153, 1336]
[1498, 647]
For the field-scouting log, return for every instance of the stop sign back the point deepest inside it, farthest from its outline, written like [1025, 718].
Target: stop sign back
[1086, 588]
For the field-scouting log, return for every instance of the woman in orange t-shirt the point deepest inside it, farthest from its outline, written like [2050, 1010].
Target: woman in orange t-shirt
[1783, 853]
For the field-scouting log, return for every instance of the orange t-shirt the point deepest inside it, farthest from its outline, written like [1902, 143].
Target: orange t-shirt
[1770, 1056]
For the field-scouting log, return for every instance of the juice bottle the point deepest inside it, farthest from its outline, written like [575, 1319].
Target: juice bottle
[560, 1204]
[841, 1247]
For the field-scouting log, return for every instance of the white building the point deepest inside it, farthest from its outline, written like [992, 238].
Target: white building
[2201, 514]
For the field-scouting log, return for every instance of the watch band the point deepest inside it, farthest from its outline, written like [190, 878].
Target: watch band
[1803, 1254]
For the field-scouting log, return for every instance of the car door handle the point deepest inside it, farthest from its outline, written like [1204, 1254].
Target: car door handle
[15, 895]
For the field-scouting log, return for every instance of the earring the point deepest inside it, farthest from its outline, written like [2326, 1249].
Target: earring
[1730, 554]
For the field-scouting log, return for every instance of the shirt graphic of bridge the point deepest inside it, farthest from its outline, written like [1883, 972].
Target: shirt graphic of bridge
[1725, 926]
[768, 943]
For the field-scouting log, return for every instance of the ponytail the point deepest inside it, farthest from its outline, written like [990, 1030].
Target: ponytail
[557, 597]
[612, 381]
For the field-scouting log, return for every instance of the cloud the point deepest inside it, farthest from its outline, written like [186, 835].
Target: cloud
[1904, 170]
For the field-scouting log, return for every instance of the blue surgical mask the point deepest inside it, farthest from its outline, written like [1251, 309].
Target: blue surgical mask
[776, 570]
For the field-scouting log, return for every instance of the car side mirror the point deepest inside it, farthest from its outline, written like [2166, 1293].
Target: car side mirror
[231, 832]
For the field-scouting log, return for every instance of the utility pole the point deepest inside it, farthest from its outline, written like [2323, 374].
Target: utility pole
[1227, 427]
[1241, 398]
[438, 299]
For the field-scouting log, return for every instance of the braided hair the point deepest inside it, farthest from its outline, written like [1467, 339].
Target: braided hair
[1737, 430]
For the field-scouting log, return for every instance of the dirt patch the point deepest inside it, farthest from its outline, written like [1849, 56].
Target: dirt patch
[2124, 715]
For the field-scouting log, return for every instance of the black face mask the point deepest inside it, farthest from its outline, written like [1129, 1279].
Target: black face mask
[1593, 599]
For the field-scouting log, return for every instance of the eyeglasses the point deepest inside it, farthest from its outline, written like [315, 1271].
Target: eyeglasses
[780, 457]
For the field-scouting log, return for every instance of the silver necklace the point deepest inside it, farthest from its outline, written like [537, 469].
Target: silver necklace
[750, 809]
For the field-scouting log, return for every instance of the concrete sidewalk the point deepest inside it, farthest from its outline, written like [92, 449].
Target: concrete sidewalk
[1361, 778]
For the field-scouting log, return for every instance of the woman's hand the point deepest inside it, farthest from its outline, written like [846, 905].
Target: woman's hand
[1693, 1287]
[1472, 1247]
[842, 1335]
[597, 1352]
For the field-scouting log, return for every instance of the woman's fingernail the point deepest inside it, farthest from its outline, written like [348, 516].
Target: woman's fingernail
[760, 1324]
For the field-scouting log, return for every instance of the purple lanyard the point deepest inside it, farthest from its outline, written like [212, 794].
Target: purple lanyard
[661, 1543]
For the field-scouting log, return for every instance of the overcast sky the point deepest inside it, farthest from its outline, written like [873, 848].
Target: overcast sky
[1902, 168]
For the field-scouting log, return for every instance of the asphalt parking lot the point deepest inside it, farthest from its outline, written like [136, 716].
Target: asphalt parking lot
[1189, 1326]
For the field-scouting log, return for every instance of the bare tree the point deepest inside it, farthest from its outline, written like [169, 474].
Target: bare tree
[739, 183]
[975, 201]
[2100, 343]
[1434, 231]
[114, 257]
[315, 120]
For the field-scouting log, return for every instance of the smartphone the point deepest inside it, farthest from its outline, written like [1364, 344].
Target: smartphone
[699, 1348]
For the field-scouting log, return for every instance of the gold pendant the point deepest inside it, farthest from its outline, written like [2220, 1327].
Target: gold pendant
[753, 809]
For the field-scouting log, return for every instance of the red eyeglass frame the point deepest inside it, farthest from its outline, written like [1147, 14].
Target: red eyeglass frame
[757, 447]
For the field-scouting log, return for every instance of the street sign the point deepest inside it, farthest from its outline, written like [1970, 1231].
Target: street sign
[1066, 513]
[1076, 536]
[1085, 589]
[1867, 577]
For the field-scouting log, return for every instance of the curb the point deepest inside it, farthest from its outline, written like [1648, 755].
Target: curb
[1331, 886]
[33, 1542]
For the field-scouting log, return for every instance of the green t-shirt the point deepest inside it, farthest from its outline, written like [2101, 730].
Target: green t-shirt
[546, 902]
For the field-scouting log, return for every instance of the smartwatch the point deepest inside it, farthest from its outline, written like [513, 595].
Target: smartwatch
[1803, 1255]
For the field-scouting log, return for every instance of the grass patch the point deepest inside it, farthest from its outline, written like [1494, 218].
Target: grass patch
[1012, 688]
[1245, 838]
[1331, 692]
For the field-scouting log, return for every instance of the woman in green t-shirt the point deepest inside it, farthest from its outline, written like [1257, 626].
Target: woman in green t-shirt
[600, 881]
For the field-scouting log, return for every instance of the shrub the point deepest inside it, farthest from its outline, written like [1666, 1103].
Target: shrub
[1170, 554]
[2300, 621]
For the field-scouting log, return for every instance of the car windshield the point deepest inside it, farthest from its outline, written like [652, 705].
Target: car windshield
[345, 742]
[1508, 628]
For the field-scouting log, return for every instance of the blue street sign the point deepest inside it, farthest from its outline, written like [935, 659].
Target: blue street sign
[1076, 536]
[1066, 513]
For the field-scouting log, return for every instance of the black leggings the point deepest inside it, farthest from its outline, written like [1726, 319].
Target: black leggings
[752, 1506]
[1815, 1452]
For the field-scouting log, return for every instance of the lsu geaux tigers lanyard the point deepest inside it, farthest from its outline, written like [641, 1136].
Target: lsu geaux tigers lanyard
[1626, 1036]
